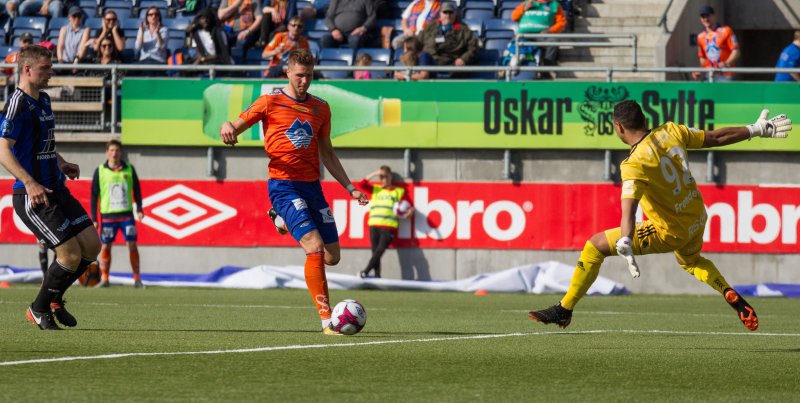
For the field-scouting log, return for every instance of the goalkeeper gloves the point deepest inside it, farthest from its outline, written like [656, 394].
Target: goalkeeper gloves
[625, 251]
[779, 126]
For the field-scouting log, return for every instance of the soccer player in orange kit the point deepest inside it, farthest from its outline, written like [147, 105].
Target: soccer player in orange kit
[297, 128]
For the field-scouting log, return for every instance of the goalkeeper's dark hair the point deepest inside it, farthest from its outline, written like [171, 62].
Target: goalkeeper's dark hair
[629, 115]
[302, 57]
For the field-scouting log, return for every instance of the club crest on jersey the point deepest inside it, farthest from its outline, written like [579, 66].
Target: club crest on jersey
[300, 134]
[598, 109]
[7, 127]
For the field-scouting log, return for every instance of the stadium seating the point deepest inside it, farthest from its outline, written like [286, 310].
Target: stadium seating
[379, 55]
[334, 74]
[6, 50]
[343, 54]
[478, 14]
[177, 23]
[28, 24]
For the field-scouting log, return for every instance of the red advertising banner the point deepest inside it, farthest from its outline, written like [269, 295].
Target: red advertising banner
[449, 215]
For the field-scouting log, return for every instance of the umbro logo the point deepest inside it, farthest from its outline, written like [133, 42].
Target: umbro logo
[180, 211]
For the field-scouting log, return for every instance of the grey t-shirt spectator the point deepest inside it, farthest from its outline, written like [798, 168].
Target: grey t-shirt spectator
[347, 15]
[72, 43]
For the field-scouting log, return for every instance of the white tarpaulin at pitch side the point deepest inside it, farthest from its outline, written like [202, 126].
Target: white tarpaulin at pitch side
[544, 277]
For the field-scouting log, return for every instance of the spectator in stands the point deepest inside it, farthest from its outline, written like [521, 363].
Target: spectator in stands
[717, 46]
[242, 19]
[790, 58]
[349, 22]
[539, 17]
[107, 53]
[364, 59]
[281, 44]
[151, 40]
[73, 39]
[112, 30]
[448, 41]
[418, 15]
[413, 55]
[24, 41]
[46, 8]
[274, 19]
[191, 8]
[209, 39]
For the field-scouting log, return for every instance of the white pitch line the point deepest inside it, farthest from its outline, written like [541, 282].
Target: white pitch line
[373, 343]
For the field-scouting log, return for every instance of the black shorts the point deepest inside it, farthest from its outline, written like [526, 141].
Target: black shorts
[57, 223]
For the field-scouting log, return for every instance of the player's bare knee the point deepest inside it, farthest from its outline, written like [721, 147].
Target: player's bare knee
[332, 259]
[601, 243]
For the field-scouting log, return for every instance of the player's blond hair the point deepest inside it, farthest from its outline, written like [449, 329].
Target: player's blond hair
[32, 54]
[302, 57]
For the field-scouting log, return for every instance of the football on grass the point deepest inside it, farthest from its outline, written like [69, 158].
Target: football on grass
[348, 317]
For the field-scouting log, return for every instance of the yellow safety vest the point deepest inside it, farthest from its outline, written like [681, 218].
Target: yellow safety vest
[381, 211]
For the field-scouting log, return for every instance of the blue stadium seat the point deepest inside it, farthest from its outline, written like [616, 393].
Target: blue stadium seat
[478, 4]
[177, 23]
[499, 28]
[19, 31]
[37, 23]
[316, 25]
[478, 14]
[345, 54]
[130, 33]
[122, 12]
[391, 22]
[3, 37]
[130, 43]
[253, 56]
[94, 24]
[475, 25]
[128, 22]
[56, 23]
[313, 47]
[52, 34]
[87, 3]
[505, 13]
[161, 4]
[176, 34]
[486, 57]
[175, 44]
[334, 74]
[7, 50]
[316, 35]
[499, 44]
[378, 54]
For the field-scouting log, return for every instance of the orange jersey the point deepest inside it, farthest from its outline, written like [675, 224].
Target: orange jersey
[717, 45]
[291, 132]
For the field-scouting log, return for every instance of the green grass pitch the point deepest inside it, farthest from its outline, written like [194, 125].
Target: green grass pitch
[168, 344]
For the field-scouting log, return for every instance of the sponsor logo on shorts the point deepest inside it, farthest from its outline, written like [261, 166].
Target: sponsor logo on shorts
[80, 219]
[299, 204]
[327, 215]
[305, 224]
[7, 127]
[63, 227]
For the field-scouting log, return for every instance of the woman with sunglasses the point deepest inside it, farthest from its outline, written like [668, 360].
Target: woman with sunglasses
[111, 30]
[151, 41]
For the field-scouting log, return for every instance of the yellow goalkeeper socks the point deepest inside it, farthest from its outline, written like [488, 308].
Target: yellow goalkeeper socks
[586, 272]
[705, 271]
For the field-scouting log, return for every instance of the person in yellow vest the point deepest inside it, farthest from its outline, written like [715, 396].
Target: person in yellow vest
[116, 185]
[388, 203]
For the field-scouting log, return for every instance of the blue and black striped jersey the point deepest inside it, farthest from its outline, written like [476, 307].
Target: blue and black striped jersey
[30, 123]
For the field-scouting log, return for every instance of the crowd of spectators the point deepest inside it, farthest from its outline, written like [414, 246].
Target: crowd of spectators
[337, 32]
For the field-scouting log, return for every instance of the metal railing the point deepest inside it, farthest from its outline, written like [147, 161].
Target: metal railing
[590, 41]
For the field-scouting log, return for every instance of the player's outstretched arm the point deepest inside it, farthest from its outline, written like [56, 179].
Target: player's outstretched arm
[778, 127]
[331, 161]
[229, 131]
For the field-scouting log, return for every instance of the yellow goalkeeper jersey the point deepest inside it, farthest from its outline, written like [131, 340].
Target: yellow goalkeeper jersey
[657, 174]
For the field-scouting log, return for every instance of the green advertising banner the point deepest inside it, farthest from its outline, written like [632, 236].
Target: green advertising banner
[458, 114]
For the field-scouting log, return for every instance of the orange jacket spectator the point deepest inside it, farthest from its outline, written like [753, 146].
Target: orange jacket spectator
[716, 45]
[560, 19]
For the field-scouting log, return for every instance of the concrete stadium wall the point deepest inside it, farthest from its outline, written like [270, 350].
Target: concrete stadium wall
[660, 273]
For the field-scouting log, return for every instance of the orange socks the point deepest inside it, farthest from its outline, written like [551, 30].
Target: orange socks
[318, 285]
[134, 255]
[105, 263]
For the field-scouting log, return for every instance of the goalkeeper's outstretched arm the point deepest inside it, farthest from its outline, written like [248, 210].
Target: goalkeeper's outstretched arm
[777, 127]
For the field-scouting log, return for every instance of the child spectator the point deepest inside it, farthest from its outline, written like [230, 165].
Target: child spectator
[364, 59]
[414, 56]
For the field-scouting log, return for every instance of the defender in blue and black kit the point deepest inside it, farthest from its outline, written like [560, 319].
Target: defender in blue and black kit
[41, 199]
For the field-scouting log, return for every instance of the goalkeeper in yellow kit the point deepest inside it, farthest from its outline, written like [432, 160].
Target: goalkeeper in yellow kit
[656, 176]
